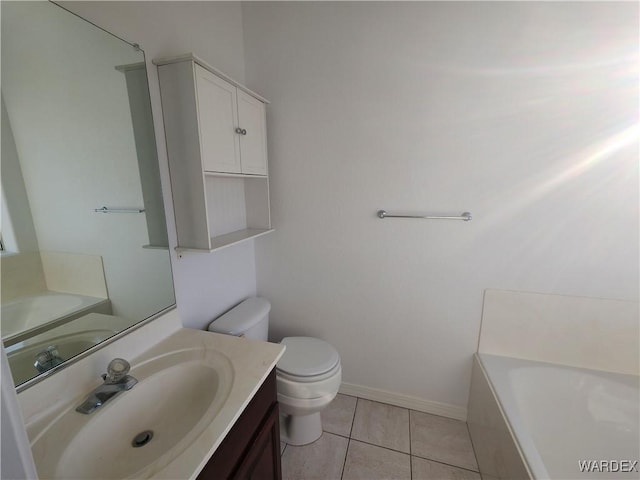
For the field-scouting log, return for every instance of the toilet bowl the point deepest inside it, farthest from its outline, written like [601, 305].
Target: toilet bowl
[308, 375]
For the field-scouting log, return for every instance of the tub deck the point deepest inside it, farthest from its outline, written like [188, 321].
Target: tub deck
[33, 314]
[560, 420]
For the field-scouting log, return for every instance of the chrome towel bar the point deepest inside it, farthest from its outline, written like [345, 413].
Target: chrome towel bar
[118, 210]
[465, 216]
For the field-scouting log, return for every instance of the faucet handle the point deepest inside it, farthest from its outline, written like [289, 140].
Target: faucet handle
[117, 369]
[48, 359]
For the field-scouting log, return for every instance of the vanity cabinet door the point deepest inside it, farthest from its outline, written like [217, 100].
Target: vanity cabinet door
[251, 450]
[217, 120]
[253, 139]
[262, 461]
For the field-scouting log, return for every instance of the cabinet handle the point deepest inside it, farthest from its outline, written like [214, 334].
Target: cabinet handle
[241, 131]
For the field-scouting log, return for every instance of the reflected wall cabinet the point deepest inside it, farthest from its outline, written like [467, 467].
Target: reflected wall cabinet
[216, 136]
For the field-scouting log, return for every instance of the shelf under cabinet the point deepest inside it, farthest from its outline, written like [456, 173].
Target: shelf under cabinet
[228, 239]
[208, 173]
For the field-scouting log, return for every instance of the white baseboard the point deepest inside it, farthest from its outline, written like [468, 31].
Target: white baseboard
[405, 401]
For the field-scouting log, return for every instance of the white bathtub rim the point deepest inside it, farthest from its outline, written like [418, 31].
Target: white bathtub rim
[524, 442]
[87, 304]
[537, 470]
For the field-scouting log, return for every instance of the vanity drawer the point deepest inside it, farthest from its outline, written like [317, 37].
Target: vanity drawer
[251, 450]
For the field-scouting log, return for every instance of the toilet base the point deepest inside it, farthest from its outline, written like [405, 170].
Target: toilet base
[300, 429]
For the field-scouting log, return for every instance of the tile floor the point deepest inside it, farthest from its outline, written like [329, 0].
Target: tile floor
[370, 441]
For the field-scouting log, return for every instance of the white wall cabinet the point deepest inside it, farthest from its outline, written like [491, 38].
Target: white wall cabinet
[232, 126]
[217, 144]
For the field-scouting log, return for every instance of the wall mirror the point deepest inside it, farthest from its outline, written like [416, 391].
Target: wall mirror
[83, 232]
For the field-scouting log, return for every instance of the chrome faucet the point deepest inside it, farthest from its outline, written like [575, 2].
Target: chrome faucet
[47, 359]
[116, 380]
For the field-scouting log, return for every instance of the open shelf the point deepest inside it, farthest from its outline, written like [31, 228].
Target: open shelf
[228, 239]
[232, 175]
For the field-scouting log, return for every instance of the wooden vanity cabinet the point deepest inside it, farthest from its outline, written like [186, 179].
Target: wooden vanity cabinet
[251, 450]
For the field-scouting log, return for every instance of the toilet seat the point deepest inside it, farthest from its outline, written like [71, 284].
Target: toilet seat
[309, 379]
[307, 359]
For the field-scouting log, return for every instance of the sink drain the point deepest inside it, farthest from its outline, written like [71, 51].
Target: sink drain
[141, 439]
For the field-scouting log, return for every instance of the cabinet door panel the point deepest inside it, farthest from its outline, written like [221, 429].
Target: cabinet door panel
[262, 462]
[252, 448]
[218, 119]
[253, 145]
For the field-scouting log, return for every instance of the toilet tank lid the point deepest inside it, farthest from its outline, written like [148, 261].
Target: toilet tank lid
[242, 317]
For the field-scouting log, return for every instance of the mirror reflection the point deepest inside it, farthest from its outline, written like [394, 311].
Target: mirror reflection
[83, 233]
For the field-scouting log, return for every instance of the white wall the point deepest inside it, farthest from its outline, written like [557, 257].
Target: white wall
[523, 113]
[206, 284]
[18, 231]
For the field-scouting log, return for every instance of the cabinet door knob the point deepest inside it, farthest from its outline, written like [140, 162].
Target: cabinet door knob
[239, 131]
[244, 132]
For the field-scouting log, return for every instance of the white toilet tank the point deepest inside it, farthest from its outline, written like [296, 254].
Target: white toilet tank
[249, 319]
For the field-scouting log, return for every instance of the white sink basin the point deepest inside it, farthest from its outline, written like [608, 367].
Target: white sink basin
[177, 396]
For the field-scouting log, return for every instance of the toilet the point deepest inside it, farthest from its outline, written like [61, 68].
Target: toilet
[308, 375]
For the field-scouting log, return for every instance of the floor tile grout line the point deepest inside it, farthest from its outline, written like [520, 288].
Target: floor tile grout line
[410, 448]
[473, 447]
[380, 446]
[445, 463]
[353, 419]
[410, 442]
[411, 466]
[346, 454]
[430, 414]
[334, 433]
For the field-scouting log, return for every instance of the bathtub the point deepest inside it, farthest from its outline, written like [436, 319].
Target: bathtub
[26, 316]
[539, 420]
